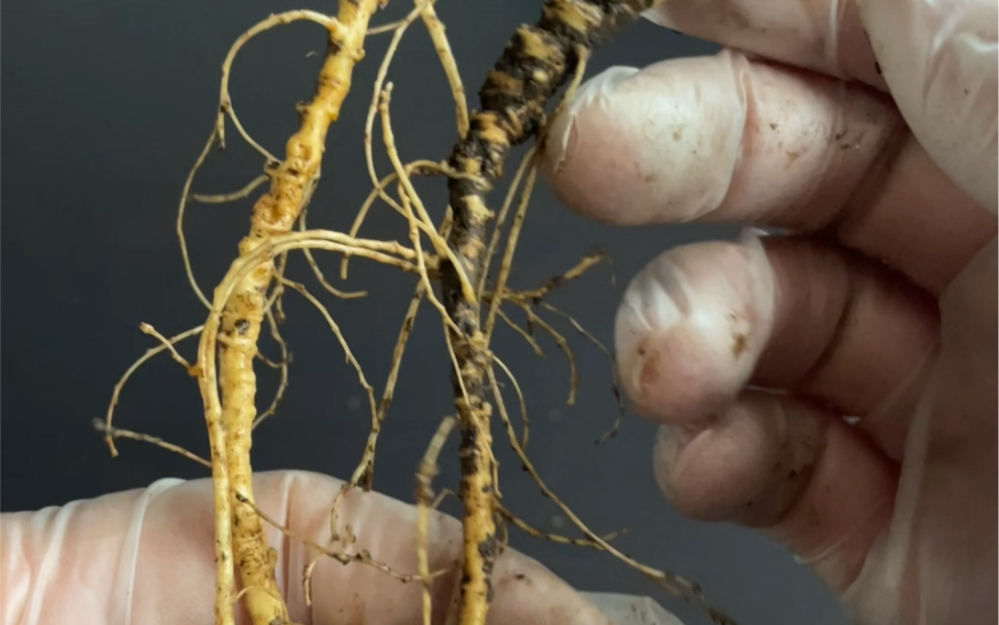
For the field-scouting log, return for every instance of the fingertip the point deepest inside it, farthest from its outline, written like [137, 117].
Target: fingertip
[691, 327]
[580, 146]
[791, 469]
[591, 99]
[652, 145]
[748, 466]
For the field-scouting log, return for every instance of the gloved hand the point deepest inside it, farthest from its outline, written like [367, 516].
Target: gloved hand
[147, 557]
[835, 386]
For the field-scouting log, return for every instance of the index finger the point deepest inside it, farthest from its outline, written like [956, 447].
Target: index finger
[726, 139]
[825, 36]
[938, 56]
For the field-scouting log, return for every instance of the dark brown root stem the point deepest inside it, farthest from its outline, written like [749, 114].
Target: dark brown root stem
[535, 64]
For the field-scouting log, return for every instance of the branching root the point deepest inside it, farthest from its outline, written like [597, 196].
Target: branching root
[454, 255]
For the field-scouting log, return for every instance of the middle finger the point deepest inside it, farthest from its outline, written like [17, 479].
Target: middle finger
[825, 36]
[700, 321]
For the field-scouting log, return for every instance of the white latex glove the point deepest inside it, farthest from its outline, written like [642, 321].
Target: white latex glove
[147, 557]
[632, 609]
[878, 155]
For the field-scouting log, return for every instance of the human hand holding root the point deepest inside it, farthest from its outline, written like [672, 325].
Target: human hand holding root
[146, 556]
[804, 314]
[878, 154]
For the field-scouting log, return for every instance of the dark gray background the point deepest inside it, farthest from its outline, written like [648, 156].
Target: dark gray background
[107, 103]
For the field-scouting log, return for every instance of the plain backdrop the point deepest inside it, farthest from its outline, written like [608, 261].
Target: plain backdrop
[106, 104]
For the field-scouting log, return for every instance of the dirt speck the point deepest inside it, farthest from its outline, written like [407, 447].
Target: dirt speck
[739, 344]
[650, 372]
[677, 134]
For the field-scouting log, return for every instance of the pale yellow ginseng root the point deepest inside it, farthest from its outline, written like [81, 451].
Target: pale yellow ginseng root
[166, 345]
[240, 539]
[425, 502]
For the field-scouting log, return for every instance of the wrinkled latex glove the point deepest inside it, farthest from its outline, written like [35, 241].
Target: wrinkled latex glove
[834, 387]
[147, 557]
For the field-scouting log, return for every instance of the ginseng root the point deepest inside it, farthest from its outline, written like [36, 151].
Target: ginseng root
[240, 539]
[535, 64]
